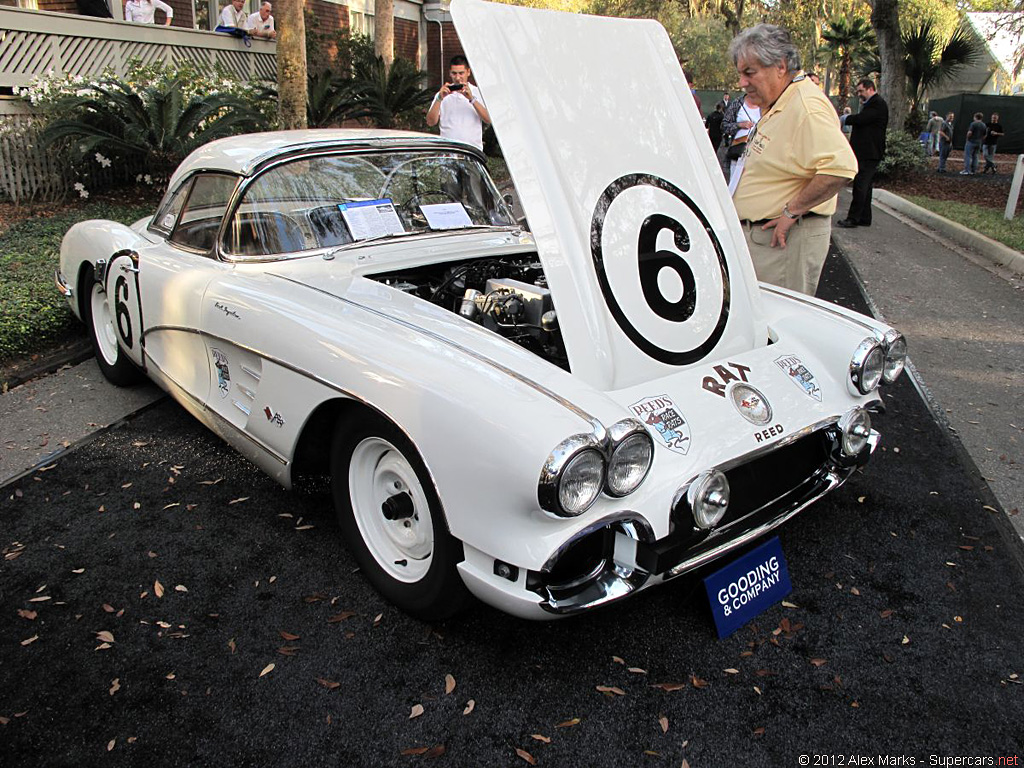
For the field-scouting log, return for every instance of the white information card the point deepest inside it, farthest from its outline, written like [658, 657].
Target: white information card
[371, 218]
[446, 216]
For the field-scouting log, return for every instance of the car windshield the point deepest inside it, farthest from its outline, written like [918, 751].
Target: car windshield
[334, 200]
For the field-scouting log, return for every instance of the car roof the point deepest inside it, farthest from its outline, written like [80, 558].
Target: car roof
[243, 154]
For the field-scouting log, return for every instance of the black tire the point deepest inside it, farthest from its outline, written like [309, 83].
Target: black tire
[115, 365]
[373, 452]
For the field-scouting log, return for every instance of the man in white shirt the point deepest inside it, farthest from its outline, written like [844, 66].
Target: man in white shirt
[232, 15]
[459, 107]
[144, 11]
[261, 23]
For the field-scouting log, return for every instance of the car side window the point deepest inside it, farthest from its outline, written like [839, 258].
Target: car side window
[167, 213]
[203, 211]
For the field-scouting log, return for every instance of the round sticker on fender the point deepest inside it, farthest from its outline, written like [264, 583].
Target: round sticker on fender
[661, 269]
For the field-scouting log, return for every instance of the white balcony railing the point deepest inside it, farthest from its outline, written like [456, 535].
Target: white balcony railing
[33, 43]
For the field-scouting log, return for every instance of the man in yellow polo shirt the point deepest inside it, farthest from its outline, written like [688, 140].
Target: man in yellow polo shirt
[797, 159]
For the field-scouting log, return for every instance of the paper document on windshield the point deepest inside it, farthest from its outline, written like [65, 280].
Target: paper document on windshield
[446, 216]
[371, 218]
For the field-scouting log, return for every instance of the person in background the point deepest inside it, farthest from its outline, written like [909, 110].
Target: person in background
[988, 147]
[813, 77]
[714, 125]
[868, 143]
[459, 107]
[737, 124]
[976, 134]
[261, 23]
[232, 16]
[945, 141]
[726, 98]
[795, 163]
[932, 128]
[847, 129]
[144, 11]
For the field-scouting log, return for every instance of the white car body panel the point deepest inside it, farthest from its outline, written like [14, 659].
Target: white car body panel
[554, 114]
[266, 352]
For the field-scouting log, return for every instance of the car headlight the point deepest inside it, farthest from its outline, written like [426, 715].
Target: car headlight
[572, 477]
[895, 355]
[631, 457]
[855, 426]
[708, 497]
[866, 366]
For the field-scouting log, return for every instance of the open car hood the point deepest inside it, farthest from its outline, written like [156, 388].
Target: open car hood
[639, 239]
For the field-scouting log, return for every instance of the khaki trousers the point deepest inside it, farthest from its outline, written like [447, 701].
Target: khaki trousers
[798, 266]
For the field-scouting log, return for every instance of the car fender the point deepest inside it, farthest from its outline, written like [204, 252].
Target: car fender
[88, 242]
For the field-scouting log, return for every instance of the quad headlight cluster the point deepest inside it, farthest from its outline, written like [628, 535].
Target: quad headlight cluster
[877, 362]
[582, 467]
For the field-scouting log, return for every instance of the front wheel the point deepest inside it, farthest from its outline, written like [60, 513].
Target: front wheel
[114, 364]
[392, 520]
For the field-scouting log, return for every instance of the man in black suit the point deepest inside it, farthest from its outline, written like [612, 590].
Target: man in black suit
[868, 143]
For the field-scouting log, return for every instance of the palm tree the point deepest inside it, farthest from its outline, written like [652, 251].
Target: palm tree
[155, 123]
[388, 95]
[930, 63]
[331, 101]
[847, 39]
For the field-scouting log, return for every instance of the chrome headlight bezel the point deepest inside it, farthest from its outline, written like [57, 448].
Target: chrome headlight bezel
[708, 498]
[895, 345]
[624, 434]
[559, 462]
[866, 367]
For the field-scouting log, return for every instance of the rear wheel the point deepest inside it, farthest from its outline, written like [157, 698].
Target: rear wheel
[392, 520]
[114, 364]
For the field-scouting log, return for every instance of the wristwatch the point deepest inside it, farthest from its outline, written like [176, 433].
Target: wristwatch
[787, 214]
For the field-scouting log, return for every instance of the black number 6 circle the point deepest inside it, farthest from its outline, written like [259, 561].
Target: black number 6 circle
[124, 318]
[651, 262]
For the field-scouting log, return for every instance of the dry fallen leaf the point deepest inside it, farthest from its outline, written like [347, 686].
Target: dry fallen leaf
[759, 731]
[30, 640]
[236, 501]
[906, 640]
[541, 737]
[180, 588]
[611, 689]
[416, 711]
[434, 751]
[786, 604]
[105, 636]
[328, 684]
[158, 589]
[108, 608]
[289, 636]
[231, 644]
[267, 669]
[449, 684]
[526, 756]
[568, 723]
[377, 618]
[697, 682]
[731, 671]
[469, 706]
[818, 662]
[414, 751]
[854, 591]
[30, 615]
[115, 686]
[110, 745]
[669, 686]
[340, 617]
[663, 722]
[618, 660]
[637, 671]
[886, 613]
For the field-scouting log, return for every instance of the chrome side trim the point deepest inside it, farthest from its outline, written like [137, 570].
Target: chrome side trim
[250, 371]
[243, 408]
[599, 429]
[246, 391]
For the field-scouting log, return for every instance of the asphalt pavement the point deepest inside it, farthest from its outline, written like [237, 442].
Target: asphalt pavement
[162, 601]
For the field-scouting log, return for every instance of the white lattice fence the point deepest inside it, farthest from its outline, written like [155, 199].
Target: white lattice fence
[27, 173]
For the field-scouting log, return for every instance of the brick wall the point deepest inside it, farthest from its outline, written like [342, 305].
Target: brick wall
[452, 46]
[332, 19]
[59, 6]
[407, 40]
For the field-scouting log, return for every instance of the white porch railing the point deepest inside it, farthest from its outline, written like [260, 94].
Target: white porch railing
[33, 43]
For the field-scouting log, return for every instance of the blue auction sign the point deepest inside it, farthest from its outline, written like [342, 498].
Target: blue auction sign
[747, 586]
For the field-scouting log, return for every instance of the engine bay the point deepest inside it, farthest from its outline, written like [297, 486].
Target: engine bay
[507, 295]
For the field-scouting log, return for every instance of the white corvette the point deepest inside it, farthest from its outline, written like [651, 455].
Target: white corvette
[550, 420]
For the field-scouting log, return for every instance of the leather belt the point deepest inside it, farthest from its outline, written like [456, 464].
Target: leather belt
[762, 222]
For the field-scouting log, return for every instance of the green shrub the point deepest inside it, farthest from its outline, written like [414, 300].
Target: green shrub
[903, 154]
[32, 314]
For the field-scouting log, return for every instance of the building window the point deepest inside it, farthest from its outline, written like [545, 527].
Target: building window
[360, 23]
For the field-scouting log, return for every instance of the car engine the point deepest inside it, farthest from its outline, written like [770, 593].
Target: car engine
[506, 295]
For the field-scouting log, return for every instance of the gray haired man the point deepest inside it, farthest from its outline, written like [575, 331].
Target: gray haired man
[797, 159]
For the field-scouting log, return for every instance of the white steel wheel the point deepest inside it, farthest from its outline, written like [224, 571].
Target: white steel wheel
[380, 478]
[114, 363]
[392, 520]
[102, 325]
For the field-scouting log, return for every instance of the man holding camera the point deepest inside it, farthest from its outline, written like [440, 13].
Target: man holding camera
[459, 107]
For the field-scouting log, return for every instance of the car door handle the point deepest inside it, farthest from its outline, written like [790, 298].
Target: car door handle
[126, 268]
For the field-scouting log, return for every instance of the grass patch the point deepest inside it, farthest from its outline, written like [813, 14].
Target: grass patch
[33, 315]
[986, 221]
